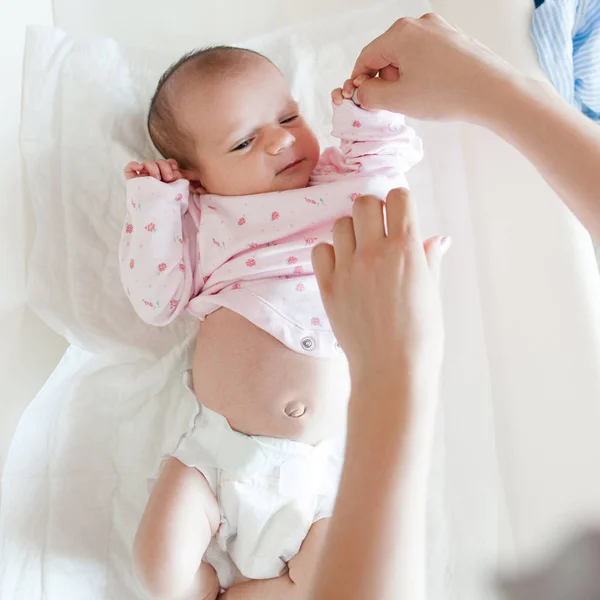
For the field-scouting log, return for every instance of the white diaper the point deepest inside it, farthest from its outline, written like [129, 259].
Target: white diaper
[270, 491]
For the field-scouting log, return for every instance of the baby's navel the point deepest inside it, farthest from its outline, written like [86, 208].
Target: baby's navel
[295, 409]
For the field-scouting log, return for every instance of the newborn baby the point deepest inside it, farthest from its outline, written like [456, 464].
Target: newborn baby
[223, 229]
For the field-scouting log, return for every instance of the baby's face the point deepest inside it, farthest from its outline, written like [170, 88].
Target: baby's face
[249, 136]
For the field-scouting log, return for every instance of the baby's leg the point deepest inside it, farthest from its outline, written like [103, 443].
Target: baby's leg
[296, 584]
[180, 519]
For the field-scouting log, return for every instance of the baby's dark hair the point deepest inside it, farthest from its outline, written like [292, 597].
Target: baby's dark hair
[169, 138]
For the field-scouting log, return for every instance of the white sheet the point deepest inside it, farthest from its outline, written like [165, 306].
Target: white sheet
[545, 380]
[74, 483]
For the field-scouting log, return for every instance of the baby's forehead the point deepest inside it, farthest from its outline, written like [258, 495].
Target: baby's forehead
[254, 91]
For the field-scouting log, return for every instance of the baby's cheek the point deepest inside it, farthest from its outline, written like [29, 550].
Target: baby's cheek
[311, 147]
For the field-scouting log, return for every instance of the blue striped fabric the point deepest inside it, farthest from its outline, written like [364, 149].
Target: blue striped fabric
[567, 36]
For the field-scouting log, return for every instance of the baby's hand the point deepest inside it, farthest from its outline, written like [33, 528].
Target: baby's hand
[336, 96]
[163, 170]
[346, 92]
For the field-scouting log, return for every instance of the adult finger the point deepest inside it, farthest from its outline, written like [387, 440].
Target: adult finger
[380, 52]
[344, 240]
[402, 218]
[367, 214]
[323, 261]
[435, 249]
[377, 93]
[389, 73]
[372, 58]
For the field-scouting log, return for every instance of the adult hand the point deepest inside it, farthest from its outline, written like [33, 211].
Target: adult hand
[380, 290]
[428, 69]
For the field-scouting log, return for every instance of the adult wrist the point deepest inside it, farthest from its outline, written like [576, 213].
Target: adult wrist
[399, 401]
[500, 97]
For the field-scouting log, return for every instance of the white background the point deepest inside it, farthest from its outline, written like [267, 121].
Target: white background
[548, 450]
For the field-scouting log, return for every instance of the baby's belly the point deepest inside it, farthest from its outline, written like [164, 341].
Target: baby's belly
[262, 387]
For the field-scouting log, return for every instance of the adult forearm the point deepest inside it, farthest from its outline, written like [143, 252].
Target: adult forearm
[376, 542]
[560, 142]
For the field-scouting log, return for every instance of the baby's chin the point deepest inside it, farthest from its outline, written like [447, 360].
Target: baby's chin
[296, 183]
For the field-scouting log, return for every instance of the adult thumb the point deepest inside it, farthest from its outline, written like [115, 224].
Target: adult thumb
[435, 248]
[376, 93]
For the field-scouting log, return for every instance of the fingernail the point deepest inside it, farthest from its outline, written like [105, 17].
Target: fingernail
[445, 244]
[355, 97]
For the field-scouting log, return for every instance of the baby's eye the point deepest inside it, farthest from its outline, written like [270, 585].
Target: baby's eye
[242, 145]
[289, 119]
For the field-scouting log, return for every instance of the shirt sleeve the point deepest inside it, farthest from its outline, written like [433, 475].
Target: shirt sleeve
[372, 143]
[158, 249]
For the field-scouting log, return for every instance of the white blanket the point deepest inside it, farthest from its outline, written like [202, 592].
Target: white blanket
[75, 480]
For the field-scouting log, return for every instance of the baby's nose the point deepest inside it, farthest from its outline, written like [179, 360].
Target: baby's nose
[280, 140]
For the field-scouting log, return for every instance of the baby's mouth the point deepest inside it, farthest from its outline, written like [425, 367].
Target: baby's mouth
[291, 166]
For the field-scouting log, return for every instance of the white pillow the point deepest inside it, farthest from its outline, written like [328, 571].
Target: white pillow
[84, 109]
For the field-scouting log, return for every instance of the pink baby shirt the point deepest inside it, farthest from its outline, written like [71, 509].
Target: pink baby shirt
[252, 254]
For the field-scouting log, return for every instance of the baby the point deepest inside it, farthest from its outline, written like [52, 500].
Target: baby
[223, 229]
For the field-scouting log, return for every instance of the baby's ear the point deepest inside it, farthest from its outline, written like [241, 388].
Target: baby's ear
[193, 177]
[196, 187]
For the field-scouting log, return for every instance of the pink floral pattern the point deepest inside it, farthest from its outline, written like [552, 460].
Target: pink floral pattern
[320, 201]
[263, 241]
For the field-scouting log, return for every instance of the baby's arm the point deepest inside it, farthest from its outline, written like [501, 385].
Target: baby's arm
[180, 519]
[157, 253]
[372, 143]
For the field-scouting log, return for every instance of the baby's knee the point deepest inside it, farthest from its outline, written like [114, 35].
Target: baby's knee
[150, 577]
[160, 585]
